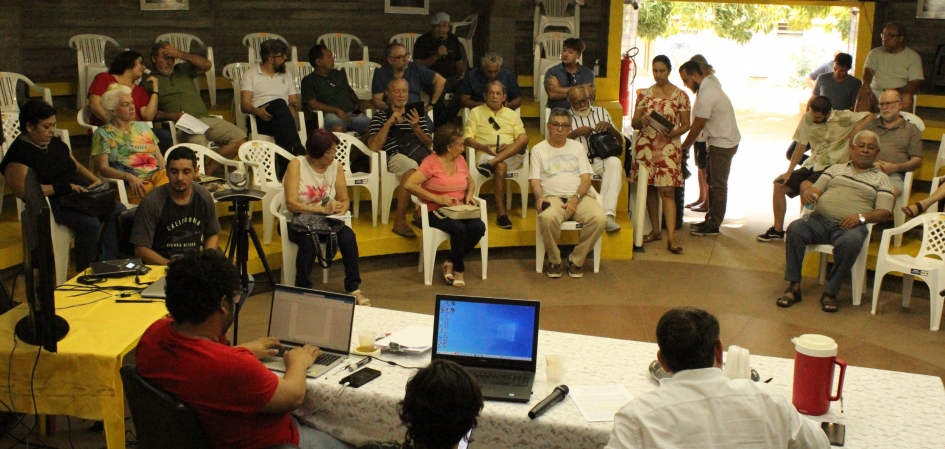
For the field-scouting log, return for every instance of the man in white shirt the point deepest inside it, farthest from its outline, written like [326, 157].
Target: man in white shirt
[715, 115]
[892, 66]
[268, 92]
[587, 120]
[699, 406]
[560, 178]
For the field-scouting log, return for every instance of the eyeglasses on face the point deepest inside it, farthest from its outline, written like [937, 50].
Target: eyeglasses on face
[888, 103]
[495, 125]
[401, 57]
[560, 126]
[890, 36]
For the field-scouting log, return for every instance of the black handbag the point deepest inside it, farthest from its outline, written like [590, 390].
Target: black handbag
[94, 203]
[603, 145]
[411, 146]
[322, 230]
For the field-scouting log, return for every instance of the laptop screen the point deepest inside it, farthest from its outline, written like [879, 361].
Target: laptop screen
[496, 331]
[312, 317]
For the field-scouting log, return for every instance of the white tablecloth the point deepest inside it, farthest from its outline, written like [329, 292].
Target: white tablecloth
[881, 408]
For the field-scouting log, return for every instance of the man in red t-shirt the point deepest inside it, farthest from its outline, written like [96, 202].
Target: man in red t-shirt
[239, 402]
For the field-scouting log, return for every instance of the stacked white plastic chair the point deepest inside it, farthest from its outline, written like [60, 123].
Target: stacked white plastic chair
[253, 40]
[360, 74]
[556, 15]
[549, 45]
[340, 46]
[466, 38]
[183, 42]
[90, 58]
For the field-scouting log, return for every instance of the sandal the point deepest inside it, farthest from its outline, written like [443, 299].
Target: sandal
[829, 303]
[651, 238]
[459, 283]
[675, 249]
[700, 208]
[448, 272]
[404, 231]
[788, 301]
[360, 299]
[908, 210]
[485, 169]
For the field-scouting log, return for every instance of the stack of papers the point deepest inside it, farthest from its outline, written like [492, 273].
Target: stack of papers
[599, 403]
[413, 339]
[191, 125]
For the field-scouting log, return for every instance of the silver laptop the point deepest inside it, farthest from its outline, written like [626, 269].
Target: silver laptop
[495, 339]
[301, 316]
[155, 290]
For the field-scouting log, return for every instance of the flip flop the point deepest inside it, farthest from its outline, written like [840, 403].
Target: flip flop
[448, 276]
[404, 231]
[788, 301]
[675, 249]
[829, 303]
[650, 238]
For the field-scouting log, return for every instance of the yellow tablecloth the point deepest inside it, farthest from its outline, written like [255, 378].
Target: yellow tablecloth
[82, 378]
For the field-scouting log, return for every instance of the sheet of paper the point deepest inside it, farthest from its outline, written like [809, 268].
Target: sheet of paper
[342, 217]
[412, 337]
[599, 403]
[191, 125]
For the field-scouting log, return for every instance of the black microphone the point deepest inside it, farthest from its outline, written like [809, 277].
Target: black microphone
[557, 395]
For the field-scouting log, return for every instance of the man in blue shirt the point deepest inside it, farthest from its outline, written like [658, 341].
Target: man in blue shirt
[562, 77]
[418, 77]
[490, 69]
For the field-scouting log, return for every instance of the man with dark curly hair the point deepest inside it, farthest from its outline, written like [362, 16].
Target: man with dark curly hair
[441, 405]
[239, 402]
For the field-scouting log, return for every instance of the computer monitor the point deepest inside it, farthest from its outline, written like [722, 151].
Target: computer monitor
[42, 327]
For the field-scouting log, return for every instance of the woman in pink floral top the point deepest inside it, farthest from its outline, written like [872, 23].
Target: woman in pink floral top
[661, 152]
[443, 180]
[125, 149]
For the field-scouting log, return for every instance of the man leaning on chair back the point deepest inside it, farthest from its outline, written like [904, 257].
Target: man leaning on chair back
[699, 406]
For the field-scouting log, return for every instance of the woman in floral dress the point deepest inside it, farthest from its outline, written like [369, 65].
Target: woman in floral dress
[659, 151]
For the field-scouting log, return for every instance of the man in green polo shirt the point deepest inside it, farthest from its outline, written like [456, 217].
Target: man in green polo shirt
[327, 90]
[179, 95]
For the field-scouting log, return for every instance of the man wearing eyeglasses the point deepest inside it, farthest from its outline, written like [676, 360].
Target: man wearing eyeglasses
[891, 66]
[845, 198]
[494, 124]
[588, 120]
[827, 131]
[268, 92]
[418, 78]
[560, 178]
[326, 89]
[559, 78]
[901, 151]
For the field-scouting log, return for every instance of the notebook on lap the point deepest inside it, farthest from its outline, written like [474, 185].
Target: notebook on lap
[495, 339]
[301, 316]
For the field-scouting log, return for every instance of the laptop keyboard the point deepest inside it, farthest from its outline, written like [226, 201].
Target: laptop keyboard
[324, 359]
[500, 378]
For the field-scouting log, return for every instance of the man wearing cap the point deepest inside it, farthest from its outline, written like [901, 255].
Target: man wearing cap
[441, 51]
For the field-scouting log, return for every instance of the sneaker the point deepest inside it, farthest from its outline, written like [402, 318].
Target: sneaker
[770, 235]
[704, 230]
[504, 222]
[574, 270]
[612, 224]
[554, 270]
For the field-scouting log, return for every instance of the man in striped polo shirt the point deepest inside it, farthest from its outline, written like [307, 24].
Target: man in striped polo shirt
[846, 198]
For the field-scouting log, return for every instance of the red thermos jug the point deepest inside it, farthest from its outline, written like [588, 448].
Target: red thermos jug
[814, 360]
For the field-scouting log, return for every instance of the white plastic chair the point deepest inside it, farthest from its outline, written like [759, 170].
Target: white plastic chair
[518, 176]
[569, 225]
[928, 265]
[262, 155]
[549, 44]
[90, 50]
[254, 133]
[252, 41]
[370, 181]
[360, 74]
[469, 23]
[61, 242]
[234, 73]
[940, 159]
[857, 272]
[898, 217]
[8, 92]
[432, 239]
[340, 46]
[407, 40]
[290, 250]
[556, 16]
[183, 42]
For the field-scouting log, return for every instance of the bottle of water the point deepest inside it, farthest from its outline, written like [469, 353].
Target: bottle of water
[808, 209]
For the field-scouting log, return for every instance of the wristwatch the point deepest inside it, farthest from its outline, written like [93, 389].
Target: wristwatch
[862, 218]
[579, 196]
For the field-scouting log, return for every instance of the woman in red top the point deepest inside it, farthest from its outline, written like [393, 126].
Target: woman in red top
[126, 70]
[443, 180]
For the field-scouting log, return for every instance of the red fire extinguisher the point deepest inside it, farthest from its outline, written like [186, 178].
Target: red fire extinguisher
[627, 72]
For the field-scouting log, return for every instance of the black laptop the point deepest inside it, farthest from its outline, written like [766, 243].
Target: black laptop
[495, 339]
[117, 268]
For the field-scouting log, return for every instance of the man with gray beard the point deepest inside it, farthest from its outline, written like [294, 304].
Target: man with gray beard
[588, 119]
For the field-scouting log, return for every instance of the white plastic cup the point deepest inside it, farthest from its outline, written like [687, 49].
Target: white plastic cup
[554, 368]
[366, 338]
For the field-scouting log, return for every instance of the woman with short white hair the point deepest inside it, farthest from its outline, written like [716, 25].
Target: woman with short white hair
[125, 149]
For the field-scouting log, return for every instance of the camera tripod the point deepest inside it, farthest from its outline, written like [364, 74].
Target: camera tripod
[240, 235]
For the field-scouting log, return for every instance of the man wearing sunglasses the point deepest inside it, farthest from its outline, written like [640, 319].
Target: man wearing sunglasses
[570, 73]
[418, 78]
[494, 124]
[891, 66]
